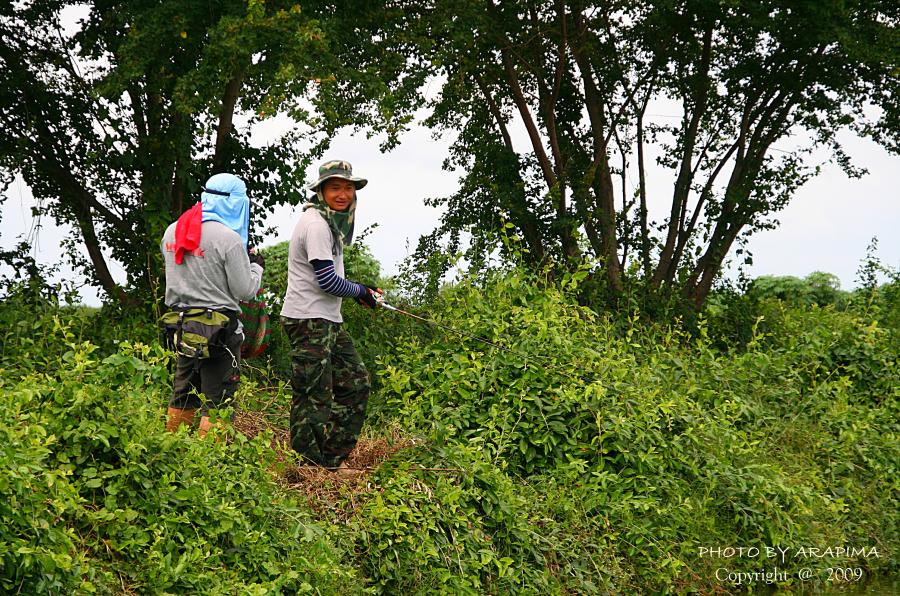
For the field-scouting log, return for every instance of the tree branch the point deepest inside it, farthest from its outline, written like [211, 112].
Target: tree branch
[642, 186]
[495, 111]
[685, 234]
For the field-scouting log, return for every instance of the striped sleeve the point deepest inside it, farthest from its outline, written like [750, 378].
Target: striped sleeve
[331, 283]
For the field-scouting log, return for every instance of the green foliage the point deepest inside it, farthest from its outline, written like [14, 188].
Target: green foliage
[465, 388]
[116, 120]
[36, 551]
[670, 442]
[39, 334]
[101, 499]
[28, 281]
[274, 280]
[742, 75]
[596, 455]
[445, 519]
[41, 339]
[817, 288]
[828, 346]
[455, 529]
[882, 300]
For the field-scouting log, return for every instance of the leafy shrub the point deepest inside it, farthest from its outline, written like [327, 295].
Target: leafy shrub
[596, 454]
[119, 502]
[678, 444]
[37, 552]
[423, 532]
[817, 288]
[823, 345]
[733, 319]
[446, 520]
[35, 336]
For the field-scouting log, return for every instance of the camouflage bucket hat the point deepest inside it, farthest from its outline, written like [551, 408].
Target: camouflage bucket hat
[337, 169]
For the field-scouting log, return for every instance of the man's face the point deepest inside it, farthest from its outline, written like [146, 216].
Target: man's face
[338, 193]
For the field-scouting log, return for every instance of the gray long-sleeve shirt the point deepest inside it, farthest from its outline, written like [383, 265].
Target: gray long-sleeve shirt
[218, 274]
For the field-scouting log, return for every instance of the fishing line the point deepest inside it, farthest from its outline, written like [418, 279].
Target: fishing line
[545, 360]
[449, 328]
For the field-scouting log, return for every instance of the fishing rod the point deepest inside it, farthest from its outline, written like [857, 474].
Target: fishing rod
[446, 327]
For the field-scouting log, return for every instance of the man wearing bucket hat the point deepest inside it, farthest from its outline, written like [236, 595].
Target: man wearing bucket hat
[208, 271]
[329, 381]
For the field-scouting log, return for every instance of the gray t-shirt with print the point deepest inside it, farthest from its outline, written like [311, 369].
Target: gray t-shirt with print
[217, 275]
[312, 239]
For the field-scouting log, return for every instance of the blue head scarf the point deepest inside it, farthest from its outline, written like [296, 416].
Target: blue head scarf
[225, 200]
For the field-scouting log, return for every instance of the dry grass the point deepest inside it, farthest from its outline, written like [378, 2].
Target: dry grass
[324, 489]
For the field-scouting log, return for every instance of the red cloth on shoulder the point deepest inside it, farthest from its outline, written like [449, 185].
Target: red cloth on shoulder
[187, 232]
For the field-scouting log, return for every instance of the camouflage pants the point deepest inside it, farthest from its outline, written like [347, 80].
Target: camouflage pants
[331, 390]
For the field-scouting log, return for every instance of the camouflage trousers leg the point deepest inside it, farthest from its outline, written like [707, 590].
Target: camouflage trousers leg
[330, 391]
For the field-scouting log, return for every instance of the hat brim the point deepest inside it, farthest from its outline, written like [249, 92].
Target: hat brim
[358, 182]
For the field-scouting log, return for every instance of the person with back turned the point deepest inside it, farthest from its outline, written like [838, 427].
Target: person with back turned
[209, 270]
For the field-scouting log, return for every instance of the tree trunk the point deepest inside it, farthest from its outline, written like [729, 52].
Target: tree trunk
[600, 176]
[222, 156]
[668, 264]
[710, 265]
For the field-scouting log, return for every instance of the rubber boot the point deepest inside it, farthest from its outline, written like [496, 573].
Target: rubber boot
[205, 426]
[177, 417]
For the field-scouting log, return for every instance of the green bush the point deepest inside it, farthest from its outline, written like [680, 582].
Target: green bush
[446, 520]
[733, 318]
[101, 497]
[823, 345]
[819, 288]
[595, 454]
[451, 528]
[37, 553]
[679, 445]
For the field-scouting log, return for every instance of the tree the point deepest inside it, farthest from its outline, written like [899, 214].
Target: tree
[818, 288]
[116, 126]
[578, 77]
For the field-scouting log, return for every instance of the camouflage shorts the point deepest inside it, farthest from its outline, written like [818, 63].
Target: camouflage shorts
[330, 390]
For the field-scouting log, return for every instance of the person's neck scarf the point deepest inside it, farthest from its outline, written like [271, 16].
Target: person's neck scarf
[340, 222]
[188, 232]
